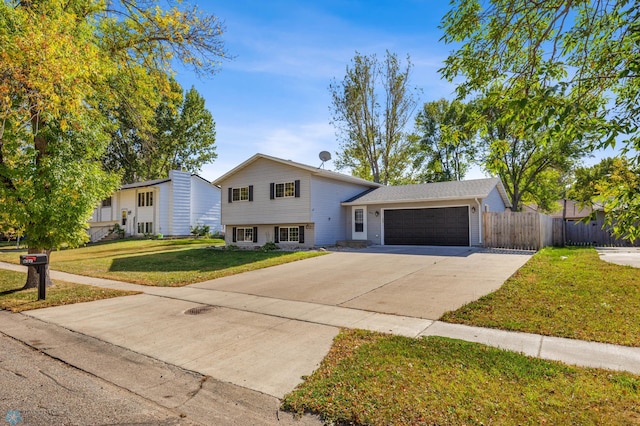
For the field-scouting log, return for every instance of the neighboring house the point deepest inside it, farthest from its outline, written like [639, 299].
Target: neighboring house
[268, 199]
[570, 210]
[585, 225]
[168, 206]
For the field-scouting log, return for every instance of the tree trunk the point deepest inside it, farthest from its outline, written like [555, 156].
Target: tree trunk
[33, 278]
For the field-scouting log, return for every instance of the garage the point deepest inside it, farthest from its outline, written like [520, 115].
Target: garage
[445, 226]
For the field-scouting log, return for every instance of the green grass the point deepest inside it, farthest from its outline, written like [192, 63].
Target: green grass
[375, 379]
[566, 292]
[12, 298]
[162, 262]
[7, 244]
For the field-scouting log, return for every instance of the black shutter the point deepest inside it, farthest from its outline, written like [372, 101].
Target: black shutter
[276, 238]
[301, 235]
[272, 190]
[233, 235]
[250, 192]
[297, 188]
[231, 200]
[255, 234]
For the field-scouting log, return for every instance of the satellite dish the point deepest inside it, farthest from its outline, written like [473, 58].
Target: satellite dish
[324, 156]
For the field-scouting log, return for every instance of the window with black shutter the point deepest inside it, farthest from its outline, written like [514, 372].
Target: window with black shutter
[291, 234]
[284, 190]
[243, 193]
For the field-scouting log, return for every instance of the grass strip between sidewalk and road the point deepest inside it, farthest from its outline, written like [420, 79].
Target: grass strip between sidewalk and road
[171, 263]
[565, 292]
[14, 299]
[376, 379]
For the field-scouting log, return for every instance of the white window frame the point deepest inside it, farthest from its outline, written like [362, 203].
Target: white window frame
[240, 193]
[244, 235]
[145, 227]
[145, 199]
[359, 217]
[289, 237]
[285, 190]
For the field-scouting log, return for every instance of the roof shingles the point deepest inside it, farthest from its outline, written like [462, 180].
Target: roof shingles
[477, 188]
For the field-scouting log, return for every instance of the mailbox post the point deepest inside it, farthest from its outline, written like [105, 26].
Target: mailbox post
[40, 261]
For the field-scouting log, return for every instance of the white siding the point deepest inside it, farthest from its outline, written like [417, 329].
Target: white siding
[127, 201]
[493, 202]
[205, 204]
[181, 202]
[263, 210]
[164, 206]
[106, 213]
[329, 217]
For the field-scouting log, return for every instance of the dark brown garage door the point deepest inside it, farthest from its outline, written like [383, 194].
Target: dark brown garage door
[428, 227]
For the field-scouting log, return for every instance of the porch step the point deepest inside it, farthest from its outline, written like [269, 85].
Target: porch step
[354, 243]
[110, 237]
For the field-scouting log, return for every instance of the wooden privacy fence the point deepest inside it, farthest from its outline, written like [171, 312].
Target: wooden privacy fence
[591, 233]
[533, 231]
[517, 230]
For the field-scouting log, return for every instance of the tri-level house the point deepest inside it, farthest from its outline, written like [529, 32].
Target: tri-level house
[169, 206]
[268, 199]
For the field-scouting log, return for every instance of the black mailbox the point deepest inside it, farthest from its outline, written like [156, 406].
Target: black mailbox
[39, 260]
[33, 259]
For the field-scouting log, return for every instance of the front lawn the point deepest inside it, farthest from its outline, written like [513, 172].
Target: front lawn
[163, 262]
[565, 292]
[62, 293]
[375, 379]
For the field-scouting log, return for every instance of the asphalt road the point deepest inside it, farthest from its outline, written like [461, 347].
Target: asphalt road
[36, 389]
[103, 384]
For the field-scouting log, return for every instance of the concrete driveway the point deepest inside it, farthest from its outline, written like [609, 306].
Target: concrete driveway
[422, 282]
[628, 256]
[263, 330]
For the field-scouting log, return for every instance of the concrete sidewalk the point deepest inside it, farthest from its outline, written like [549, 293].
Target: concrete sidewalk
[267, 344]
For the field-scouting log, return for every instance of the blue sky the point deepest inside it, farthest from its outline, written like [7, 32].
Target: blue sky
[273, 97]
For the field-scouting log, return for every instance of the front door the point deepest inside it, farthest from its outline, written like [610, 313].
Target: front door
[359, 223]
[123, 219]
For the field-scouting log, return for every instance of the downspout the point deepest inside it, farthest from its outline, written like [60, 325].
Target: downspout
[479, 221]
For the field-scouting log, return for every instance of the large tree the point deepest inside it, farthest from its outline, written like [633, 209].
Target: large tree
[64, 66]
[371, 108]
[180, 136]
[531, 156]
[445, 137]
[582, 51]
[613, 185]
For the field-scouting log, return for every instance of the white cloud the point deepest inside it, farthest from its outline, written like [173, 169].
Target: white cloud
[273, 97]
[298, 142]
